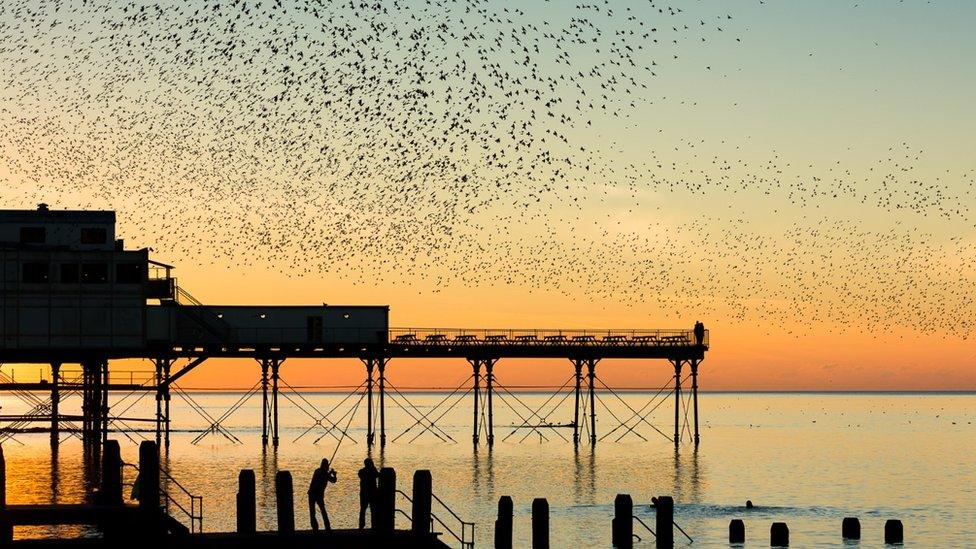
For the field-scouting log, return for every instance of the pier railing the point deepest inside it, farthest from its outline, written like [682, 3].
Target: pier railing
[542, 337]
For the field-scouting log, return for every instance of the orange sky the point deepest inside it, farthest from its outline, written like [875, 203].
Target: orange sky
[799, 176]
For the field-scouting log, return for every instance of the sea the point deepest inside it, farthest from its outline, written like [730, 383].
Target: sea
[806, 459]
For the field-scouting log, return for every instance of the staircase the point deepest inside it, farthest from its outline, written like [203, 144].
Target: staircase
[209, 325]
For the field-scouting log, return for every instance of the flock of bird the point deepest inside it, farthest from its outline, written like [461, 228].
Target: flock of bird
[450, 140]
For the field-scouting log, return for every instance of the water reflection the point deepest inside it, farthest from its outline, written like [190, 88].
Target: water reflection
[584, 476]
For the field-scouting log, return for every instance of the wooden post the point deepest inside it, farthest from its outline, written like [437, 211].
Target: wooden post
[6, 530]
[386, 496]
[540, 523]
[149, 501]
[111, 489]
[737, 531]
[623, 522]
[850, 528]
[664, 525]
[422, 496]
[246, 506]
[894, 531]
[779, 535]
[503, 525]
[285, 503]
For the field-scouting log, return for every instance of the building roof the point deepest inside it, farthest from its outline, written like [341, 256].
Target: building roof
[57, 216]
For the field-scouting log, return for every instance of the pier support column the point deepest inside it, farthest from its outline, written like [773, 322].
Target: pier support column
[381, 364]
[489, 392]
[578, 365]
[55, 400]
[162, 398]
[694, 396]
[159, 400]
[476, 367]
[369, 401]
[591, 374]
[677, 402]
[104, 400]
[167, 364]
[275, 364]
[264, 402]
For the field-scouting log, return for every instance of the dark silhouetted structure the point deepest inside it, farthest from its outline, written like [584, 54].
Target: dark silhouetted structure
[779, 535]
[133, 308]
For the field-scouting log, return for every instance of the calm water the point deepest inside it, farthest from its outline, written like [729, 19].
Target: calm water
[807, 459]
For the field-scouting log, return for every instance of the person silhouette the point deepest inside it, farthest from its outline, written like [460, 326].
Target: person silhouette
[367, 491]
[316, 494]
[699, 333]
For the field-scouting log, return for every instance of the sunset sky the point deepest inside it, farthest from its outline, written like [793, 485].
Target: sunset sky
[799, 176]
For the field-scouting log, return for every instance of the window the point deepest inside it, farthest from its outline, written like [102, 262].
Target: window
[36, 273]
[33, 235]
[128, 273]
[93, 235]
[69, 273]
[94, 273]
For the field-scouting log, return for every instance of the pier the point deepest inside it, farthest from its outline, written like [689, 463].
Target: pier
[73, 296]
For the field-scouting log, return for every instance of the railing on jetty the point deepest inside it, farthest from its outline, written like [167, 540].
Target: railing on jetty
[465, 536]
[542, 337]
[195, 511]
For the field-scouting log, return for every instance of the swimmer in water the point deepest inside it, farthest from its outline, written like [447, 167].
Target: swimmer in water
[749, 504]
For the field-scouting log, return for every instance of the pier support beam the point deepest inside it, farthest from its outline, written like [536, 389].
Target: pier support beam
[489, 365]
[103, 366]
[94, 404]
[55, 400]
[166, 398]
[381, 364]
[694, 396]
[163, 366]
[489, 393]
[578, 366]
[476, 367]
[591, 374]
[264, 402]
[370, 364]
[275, 364]
[677, 402]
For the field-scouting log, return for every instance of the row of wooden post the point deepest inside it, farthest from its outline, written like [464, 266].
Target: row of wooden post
[384, 512]
[623, 522]
[779, 532]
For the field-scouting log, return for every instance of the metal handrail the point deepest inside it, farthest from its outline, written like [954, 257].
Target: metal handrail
[194, 513]
[648, 528]
[463, 538]
[680, 529]
[644, 524]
